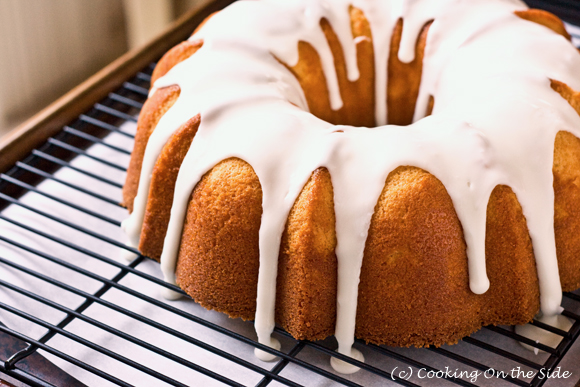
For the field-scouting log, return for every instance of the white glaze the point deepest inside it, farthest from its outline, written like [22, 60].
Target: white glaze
[543, 336]
[494, 123]
[346, 368]
[170, 295]
[265, 356]
[127, 255]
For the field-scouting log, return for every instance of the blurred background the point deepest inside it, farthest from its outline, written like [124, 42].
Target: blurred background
[49, 46]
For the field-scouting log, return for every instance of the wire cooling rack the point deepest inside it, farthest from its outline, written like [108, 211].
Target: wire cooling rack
[67, 296]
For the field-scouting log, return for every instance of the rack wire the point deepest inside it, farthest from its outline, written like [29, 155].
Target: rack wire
[59, 281]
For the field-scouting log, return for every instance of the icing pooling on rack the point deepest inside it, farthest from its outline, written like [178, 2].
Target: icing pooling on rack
[494, 123]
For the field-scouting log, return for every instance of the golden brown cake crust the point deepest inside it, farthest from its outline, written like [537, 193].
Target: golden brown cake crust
[566, 170]
[567, 209]
[219, 258]
[404, 79]
[162, 188]
[414, 285]
[513, 296]
[307, 266]
[153, 109]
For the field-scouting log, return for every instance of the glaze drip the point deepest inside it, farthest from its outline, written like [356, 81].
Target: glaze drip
[494, 122]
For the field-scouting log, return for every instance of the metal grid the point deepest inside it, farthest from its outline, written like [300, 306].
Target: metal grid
[490, 350]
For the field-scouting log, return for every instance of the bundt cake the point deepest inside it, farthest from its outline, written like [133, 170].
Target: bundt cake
[400, 171]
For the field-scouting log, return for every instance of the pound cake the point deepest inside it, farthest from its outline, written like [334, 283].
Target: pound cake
[403, 172]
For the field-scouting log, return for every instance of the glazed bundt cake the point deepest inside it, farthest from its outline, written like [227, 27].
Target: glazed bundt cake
[400, 171]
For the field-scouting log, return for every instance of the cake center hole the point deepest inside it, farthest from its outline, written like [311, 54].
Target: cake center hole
[358, 96]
